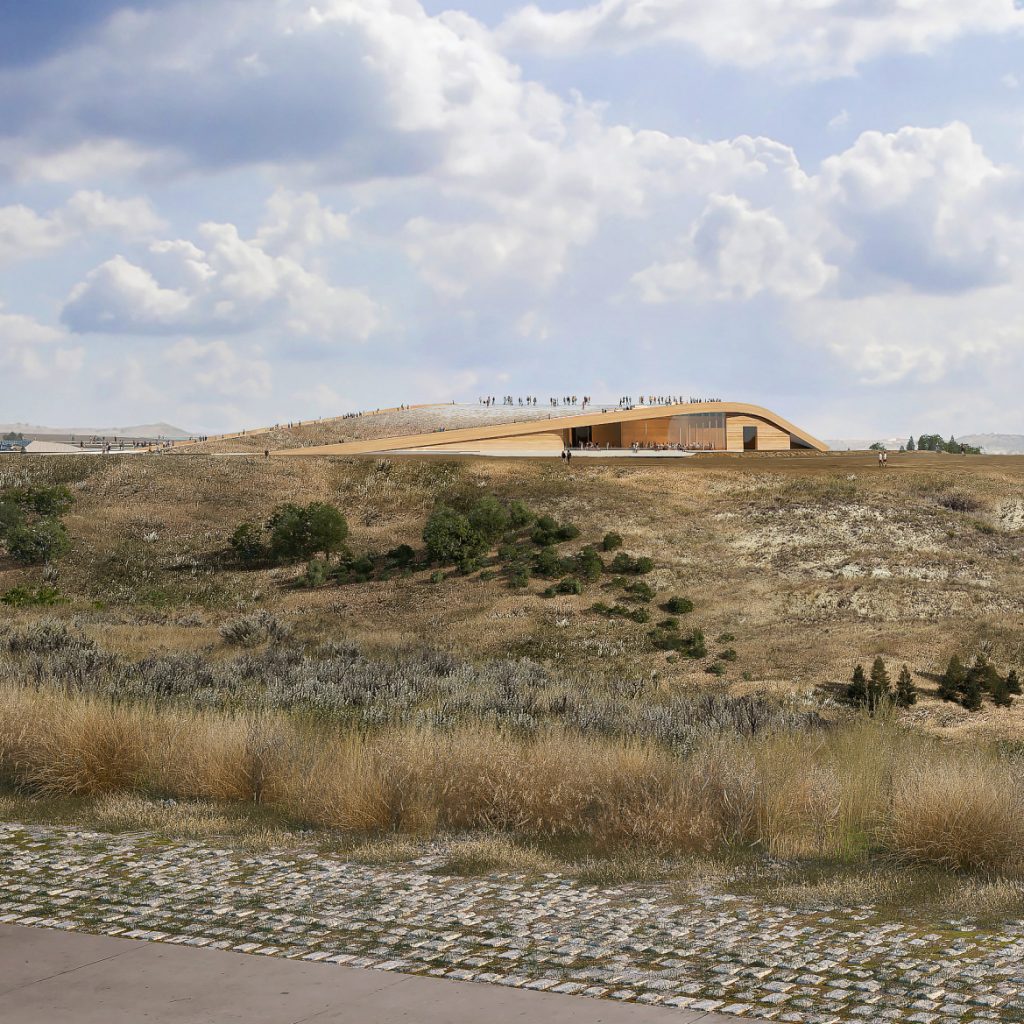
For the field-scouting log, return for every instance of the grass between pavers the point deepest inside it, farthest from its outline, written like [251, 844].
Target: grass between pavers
[867, 893]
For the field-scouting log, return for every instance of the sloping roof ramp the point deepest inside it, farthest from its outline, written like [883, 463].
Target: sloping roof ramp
[775, 432]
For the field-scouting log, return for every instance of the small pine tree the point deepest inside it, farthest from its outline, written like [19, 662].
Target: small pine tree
[970, 692]
[879, 685]
[1000, 693]
[952, 680]
[906, 691]
[857, 691]
[910, 444]
[1013, 683]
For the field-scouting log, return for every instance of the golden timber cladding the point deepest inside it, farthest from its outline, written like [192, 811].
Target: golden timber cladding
[749, 427]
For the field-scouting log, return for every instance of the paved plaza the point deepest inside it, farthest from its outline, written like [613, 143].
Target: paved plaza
[634, 944]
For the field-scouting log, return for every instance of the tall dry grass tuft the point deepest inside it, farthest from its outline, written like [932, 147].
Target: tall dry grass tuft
[963, 815]
[838, 795]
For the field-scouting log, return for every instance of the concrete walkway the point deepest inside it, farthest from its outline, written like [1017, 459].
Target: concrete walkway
[56, 977]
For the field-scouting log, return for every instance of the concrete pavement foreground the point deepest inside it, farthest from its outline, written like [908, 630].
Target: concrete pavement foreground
[56, 977]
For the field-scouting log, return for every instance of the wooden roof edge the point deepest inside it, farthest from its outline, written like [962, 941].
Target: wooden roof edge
[383, 445]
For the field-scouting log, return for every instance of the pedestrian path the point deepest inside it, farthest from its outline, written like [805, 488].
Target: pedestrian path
[56, 977]
[692, 949]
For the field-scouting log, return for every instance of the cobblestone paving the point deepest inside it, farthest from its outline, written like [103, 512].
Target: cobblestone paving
[715, 952]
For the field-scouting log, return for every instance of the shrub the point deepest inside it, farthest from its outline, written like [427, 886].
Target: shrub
[437, 577]
[611, 541]
[715, 669]
[639, 591]
[37, 543]
[23, 597]
[488, 519]
[316, 573]
[449, 537]
[362, 567]
[548, 563]
[729, 654]
[629, 566]
[588, 564]
[518, 576]
[544, 531]
[299, 532]
[1013, 682]
[726, 638]
[567, 532]
[570, 585]
[519, 516]
[247, 544]
[250, 630]
[11, 517]
[402, 556]
[41, 500]
[678, 605]
[697, 646]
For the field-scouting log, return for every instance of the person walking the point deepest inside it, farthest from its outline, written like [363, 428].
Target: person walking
[885, 459]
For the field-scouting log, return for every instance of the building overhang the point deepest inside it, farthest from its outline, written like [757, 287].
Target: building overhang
[532, 431]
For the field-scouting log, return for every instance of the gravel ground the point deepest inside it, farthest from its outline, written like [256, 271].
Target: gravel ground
[633, 942]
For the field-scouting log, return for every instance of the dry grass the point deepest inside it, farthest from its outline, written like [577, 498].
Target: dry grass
[843, 796]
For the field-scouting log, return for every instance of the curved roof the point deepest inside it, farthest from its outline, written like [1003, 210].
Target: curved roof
[541, 426]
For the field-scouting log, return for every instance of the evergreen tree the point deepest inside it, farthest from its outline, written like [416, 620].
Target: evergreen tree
[952, 679]
[1013, 682]
[910, 444]
[857, 691]
[879, 686]
[970, 692]
[985, 674]
[906, 691]
[1000, 692]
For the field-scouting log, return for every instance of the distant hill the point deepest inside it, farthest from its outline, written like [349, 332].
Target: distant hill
[996, 444]
[991, 444]
[145, 430]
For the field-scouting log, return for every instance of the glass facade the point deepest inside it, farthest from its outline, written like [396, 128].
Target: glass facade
[702, 431]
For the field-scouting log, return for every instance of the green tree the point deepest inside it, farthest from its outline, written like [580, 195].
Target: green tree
[488, 518]
[450, 538]
[906, 691]
[876, 446]
[1000, 691]
[697, 647]
[36, 543]
[298, 532]
[611, 541]
[971, 692]
[11, 516]
[857, 691]
[952, 680]
[247, 544]
[1013, 682]
[879, 685]
[910, 444]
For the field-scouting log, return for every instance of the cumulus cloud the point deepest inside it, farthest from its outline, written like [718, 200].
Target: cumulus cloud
[736, 252]
[32, 350]
[820, 38]
[26, 234]
[216, 368]
[226, 283]
[926, 207]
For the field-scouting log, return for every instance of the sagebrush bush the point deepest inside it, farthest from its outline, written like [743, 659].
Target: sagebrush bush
[257, 628]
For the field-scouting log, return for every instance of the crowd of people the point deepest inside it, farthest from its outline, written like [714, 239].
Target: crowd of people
[574, 401]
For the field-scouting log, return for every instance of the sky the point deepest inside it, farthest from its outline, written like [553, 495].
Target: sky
[224, 213]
